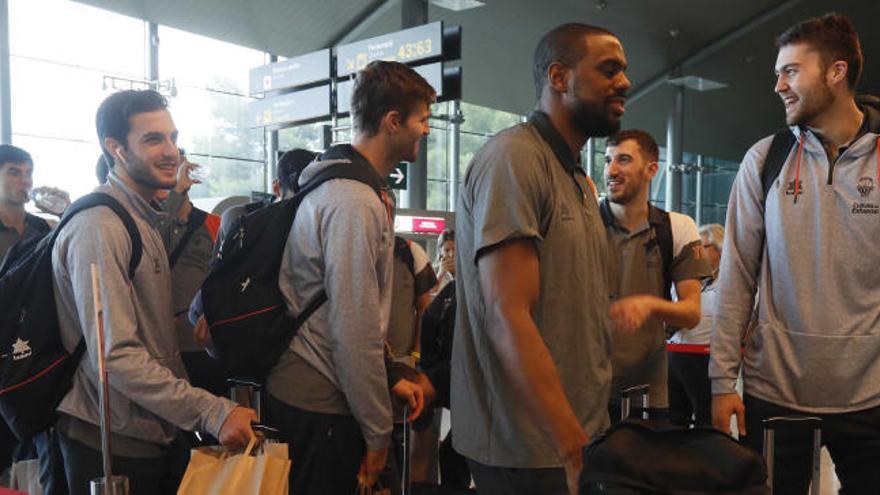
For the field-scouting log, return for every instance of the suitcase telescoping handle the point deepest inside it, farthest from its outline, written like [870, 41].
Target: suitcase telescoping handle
[626, 400]
[789, 423]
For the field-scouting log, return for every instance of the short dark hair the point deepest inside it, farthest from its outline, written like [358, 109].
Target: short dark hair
[102, 169]
[291, 165]
[14, 154]
[112, 119]
[647, 144]
[562, 44]
[834, 37]
[382, 87]
[446, 235]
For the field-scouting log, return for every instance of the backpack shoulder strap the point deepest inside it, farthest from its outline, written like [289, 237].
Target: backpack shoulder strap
[94, 199]
[780, 147]
[663, 234]
[404, 253]
[196, 219]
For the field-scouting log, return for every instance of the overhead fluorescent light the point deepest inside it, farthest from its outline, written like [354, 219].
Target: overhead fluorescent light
[697, 83]
[458, 5]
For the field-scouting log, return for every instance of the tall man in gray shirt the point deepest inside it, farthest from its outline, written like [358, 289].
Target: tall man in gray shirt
[149, 393]
[531, 368]
[329, 391]
[809, 247]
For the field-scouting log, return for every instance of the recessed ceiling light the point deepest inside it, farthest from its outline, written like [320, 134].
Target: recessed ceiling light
[458, 5]
[697, 83]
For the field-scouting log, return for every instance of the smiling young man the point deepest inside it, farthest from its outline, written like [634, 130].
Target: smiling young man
[639, 272]
[149, 393]
[531, 369]
[809, 248]
[328, 394]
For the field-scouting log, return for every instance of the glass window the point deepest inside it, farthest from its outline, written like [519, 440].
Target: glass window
[211, 109]
[58, 69]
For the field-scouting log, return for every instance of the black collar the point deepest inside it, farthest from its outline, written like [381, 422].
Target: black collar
[656, 216]
[560, 148]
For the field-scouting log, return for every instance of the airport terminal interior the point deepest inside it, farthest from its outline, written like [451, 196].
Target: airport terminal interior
[247, 80]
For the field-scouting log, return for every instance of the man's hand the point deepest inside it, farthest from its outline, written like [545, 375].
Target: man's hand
[202, 332]
[371, 466]
[412, 394]
[184, 181]
[573, 463]
[236, 430]
[630, 313]
[724, 406]
[427, 388]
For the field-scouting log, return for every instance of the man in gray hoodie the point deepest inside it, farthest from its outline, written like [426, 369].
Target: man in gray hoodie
[809, 248]
[329, 391]
[149, 393]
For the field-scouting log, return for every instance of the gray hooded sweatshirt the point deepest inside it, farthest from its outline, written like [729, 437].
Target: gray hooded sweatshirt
[149, 392]
[342, 241]
[813, 258]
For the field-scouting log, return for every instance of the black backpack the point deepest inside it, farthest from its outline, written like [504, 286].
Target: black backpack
[245, 310]
[640, 457]
[36, 371]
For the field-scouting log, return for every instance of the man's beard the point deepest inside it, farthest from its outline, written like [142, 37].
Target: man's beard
[594, 120]
[811, 104]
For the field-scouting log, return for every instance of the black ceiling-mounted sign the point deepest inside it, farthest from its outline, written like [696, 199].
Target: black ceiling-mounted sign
[297, 71]
[291, 108]
[408, 46]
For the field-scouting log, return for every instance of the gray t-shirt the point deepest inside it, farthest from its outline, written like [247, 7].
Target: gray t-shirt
[525, 184]
[635, 266]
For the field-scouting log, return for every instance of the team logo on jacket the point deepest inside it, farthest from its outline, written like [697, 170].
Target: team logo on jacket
[21, 349]
[790, 190]
[865, 186]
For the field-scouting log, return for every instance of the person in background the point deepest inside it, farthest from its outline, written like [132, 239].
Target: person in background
[445, 265]
[690, 393]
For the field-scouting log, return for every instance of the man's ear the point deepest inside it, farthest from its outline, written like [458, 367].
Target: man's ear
[837, 72]
[392, 121]
[653, 167]
[557, 77]
[115, 148]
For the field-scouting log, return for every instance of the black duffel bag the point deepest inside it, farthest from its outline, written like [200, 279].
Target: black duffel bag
[643, 457]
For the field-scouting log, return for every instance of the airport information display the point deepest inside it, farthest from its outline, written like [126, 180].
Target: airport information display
[406, 46]
[301, 106]
[297, 71]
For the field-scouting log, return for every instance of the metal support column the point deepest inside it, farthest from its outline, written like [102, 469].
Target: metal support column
[415, 13]
[270, 170]
[153, 55]
[5, 77]
[591, 157]
[454, 138]
[674, 153]
[698, 210]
